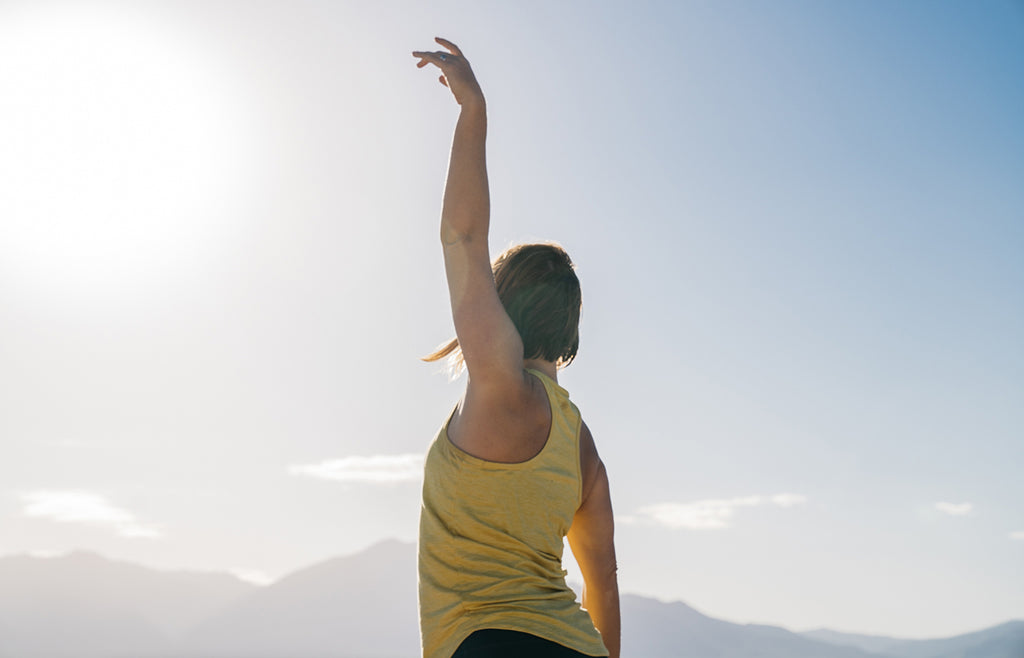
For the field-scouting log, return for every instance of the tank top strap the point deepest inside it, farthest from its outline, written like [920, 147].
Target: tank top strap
[564, 437]
[555, 391]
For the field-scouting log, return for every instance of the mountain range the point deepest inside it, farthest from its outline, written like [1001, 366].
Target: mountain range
[82, 605]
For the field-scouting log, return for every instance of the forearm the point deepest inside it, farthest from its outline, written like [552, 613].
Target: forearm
[602, 602]
[465, 212]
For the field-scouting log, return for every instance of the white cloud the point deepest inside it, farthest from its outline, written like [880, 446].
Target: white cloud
[252, 576]
[954, 509]
[73, 506]
[140, 531]
[1017, 535]
[65, 443]
[789, 499]
[708, 514]
[374, 469]
[66, 506]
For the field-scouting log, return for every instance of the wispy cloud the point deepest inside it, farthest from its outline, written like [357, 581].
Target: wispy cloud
[1017, 535]
[709, 514]
[373, 469]
[252, 576]
[788, 499]
[69, 506]
[65, 443]
[954, 509]
[140, 531]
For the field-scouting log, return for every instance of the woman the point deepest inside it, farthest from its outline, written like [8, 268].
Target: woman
[514, 470]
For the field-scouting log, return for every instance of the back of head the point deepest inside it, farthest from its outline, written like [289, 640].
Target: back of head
[538, 287]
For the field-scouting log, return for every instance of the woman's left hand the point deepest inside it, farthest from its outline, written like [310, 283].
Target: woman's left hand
[456, 74]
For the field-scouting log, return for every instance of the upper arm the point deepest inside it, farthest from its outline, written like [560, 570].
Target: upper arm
[592, 534]
[490, 344]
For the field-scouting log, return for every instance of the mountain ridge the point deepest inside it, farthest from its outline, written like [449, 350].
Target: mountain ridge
[363, 605]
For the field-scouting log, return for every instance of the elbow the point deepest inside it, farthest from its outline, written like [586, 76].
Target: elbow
[462, 226]
[451, 235]
[604, 577]
[610, 574]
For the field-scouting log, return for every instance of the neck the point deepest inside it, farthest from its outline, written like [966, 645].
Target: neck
[546, 367]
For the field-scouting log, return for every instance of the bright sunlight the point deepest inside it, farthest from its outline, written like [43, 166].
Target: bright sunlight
[120, 148]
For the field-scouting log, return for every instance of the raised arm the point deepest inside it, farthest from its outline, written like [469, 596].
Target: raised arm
[491, 346]
[592, 539]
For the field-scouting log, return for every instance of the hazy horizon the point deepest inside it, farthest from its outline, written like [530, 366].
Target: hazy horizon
[574, 579]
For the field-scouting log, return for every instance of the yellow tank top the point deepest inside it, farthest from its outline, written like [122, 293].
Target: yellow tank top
[490, 547]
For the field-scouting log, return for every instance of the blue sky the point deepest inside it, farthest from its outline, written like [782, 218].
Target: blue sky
[798, 226]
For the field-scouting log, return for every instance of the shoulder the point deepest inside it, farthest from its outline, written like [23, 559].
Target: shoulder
[503, 423]
[585, 434]
[516, 394]
[590, 461]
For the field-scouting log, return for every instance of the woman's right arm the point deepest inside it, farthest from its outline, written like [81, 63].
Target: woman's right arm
[491, 346]
[592, 539]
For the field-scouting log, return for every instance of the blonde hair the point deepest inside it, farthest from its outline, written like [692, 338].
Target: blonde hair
[538, 287]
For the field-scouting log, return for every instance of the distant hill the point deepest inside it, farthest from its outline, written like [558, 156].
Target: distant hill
[870, 643]
[365, 604]
[669, 630]
[84, 605]
[1002, 641]
[359, 606]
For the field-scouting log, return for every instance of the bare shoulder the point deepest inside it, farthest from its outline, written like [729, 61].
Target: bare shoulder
[506, 424]
[590, 461]
[587, 445]
[522, 396]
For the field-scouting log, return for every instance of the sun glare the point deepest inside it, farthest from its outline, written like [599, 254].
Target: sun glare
[121, 149]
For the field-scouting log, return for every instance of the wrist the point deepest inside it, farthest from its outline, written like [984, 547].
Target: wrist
[474, 103]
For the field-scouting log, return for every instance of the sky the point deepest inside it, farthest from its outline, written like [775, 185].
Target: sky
[799, 229]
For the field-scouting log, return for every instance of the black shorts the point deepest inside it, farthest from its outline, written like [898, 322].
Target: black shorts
[497, 643]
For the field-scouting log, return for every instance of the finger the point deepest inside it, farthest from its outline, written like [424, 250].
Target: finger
[437, 59]
[443, 80]
[449, 45]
